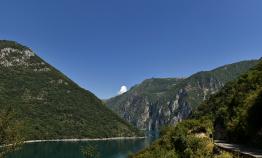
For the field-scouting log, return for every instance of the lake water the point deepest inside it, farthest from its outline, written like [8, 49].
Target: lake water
[106, 149]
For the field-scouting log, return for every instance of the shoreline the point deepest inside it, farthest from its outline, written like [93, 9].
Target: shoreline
[81, 140]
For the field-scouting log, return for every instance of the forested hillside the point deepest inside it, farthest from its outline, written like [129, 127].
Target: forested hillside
[233, 114]
[158, 102]
[48, 104]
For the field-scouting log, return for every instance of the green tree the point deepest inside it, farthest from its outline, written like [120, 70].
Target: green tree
[10, 139]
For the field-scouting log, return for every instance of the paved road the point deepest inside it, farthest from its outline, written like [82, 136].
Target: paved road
[256, 153]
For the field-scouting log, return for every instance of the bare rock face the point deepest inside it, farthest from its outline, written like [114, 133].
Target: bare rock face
[15, 57]
[12, 57]
[161, 101]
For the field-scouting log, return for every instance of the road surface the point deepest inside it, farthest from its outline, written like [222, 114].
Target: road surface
[256, 153]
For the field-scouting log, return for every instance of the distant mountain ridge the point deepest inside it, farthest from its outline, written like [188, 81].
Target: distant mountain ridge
[160, 101]
[236, 109]
[50, 105]
[233, 115]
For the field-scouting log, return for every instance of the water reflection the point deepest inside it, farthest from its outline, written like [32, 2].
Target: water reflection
[107, 149]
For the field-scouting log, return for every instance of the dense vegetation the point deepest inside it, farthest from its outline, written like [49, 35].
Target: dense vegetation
[48, 104]
[237, 109]
[189, 139]
[158, 102]
[233, 114]
[9, 133]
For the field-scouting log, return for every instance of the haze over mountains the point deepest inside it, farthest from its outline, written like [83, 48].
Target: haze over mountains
[49, 105]
[160, 101]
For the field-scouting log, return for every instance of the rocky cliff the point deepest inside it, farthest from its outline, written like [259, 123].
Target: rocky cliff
[160, 101]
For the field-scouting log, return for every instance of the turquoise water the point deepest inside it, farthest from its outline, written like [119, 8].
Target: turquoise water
[106, 149]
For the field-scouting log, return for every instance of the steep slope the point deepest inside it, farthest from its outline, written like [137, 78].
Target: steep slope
[48, 104]
[157, 102]
[237, 109]
[188, 139]
[233, 114]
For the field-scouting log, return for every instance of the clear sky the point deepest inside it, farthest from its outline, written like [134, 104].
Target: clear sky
[104, 44]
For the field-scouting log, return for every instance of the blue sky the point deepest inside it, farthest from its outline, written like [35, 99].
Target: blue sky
[103, 44]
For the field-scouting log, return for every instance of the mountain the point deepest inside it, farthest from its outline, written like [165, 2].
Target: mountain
[160, 101]
[48, 104]
[233, 114]
[236, 110]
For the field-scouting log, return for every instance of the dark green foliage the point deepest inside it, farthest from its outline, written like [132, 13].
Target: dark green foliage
[51, 105]
[161, 93]
[234, 114]
[153, 89]
[189, 139]
[213, 80]
[237, 109]
[10, 138]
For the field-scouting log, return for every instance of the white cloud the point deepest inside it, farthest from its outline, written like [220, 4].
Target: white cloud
[122, 90]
